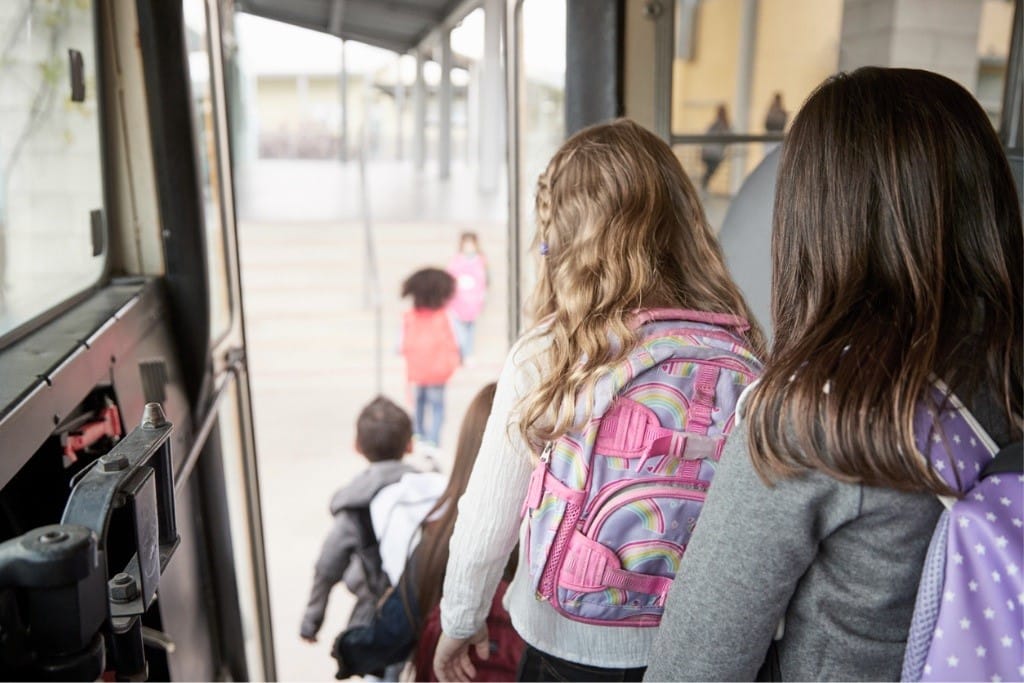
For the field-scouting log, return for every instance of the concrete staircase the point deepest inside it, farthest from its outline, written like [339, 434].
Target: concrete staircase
[312, 347]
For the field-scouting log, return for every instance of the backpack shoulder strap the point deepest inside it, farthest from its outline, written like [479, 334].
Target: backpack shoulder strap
[368, 545]
[1009, 460]
[369, 550]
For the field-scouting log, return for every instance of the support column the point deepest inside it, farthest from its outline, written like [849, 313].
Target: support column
[419, 97]
[343, 93]
[906, 33]
[740, 116]
[444, 152]
[399, 110]
[473, 109]
[491, 125]
[593, 40]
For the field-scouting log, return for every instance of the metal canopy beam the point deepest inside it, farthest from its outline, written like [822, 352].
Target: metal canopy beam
[457, 10]
[396, 25]
[406, 9]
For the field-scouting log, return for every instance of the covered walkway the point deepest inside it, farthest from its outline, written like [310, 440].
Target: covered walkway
[312, 347]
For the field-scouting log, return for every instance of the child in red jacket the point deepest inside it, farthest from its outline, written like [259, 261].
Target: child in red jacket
[429, 346]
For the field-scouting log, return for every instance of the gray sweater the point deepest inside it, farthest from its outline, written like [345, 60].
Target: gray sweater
[841, 562]
[339, 556]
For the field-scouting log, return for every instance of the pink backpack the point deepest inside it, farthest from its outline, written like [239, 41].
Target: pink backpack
[611, 508]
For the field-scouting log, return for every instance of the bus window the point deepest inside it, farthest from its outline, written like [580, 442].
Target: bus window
[52, 225]
[200, 70]
[742, 68]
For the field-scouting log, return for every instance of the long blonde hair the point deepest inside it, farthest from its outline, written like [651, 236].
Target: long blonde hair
[622, 228]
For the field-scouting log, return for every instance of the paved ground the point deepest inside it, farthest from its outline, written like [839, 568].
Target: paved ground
[312, 345]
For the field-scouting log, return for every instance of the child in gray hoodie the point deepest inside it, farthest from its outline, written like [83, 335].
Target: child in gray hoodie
[351, 552]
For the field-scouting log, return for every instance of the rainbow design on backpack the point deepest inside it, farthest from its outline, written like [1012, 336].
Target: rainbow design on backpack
[637, 507]
[621, 374]
[570, 455]
[649, 514]
[615, 596]
[636, 555]
[742, 352]
[547, 504]
[669, 465]
[665, 400]
[668, 345]
[617, 463]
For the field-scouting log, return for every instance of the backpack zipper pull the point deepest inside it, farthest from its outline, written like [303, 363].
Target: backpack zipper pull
[545, 455]
[535, 493]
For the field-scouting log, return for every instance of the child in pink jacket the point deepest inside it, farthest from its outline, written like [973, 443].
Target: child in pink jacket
[469, 268]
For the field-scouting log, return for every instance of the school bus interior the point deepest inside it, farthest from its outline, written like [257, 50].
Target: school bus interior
[130, 509]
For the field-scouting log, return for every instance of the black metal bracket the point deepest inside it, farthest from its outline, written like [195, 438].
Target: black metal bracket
[60, 617]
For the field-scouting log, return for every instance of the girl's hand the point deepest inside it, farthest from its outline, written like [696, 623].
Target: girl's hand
[451, 658]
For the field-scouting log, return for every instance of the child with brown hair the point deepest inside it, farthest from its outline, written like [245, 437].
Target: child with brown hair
[383, 437]
[429, 347]
[897, 262]
[408, 621]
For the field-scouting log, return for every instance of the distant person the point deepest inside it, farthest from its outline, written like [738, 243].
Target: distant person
[776, 118]
[713, 153]
[352, 552]
[895, 373]
[408, 622]
[625, 255]
[469, 268]
[429, 347]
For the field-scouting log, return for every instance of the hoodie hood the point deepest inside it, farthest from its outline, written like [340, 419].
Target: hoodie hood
[361, 490]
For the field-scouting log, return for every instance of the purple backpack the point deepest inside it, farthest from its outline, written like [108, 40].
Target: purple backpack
[968, 622]
[611, 507]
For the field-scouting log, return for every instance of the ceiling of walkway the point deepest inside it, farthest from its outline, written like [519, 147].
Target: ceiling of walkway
[397, 25]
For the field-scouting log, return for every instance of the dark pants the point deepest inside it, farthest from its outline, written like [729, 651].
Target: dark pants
[539, 666]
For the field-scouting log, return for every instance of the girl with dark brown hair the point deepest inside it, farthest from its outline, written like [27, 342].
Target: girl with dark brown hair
[897, 259]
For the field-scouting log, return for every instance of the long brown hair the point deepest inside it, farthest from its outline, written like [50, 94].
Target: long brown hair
[897, 258]
[431, 555]
[622, 228]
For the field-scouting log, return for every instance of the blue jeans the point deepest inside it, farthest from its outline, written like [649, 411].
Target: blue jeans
[464, 336]
[430, 397]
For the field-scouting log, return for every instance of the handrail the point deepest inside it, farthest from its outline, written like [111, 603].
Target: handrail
[372, 292]
[724, 138]
[229, 378]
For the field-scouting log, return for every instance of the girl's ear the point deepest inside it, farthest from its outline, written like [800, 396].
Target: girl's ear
[409, 447]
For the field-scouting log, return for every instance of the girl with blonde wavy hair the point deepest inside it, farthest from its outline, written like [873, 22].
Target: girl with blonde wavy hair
[620, 229]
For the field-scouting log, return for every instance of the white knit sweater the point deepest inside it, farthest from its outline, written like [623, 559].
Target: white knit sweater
[488, 527]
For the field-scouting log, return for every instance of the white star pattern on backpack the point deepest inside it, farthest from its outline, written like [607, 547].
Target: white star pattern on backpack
[972, 584]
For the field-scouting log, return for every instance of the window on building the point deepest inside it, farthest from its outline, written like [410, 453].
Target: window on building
[743, 68]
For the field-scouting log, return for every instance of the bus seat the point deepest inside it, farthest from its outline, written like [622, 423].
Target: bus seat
[746, 238]
[746, 233]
